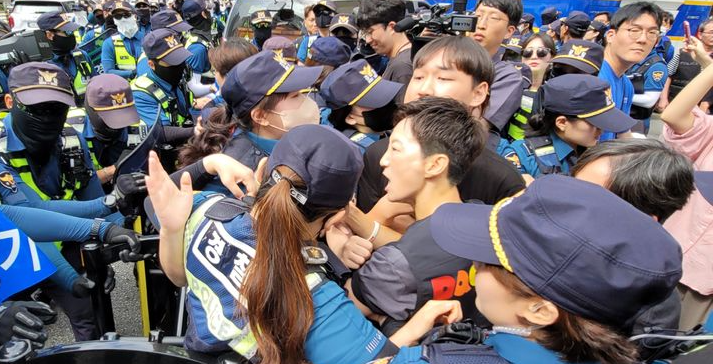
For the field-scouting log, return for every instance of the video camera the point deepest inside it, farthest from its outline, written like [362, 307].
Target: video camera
[24, 46]
[435, 21]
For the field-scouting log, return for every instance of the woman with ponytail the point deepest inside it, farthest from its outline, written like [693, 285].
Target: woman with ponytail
[575, 110]
[256, 276]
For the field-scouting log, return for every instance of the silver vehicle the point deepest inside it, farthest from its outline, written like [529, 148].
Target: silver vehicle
[24, 13]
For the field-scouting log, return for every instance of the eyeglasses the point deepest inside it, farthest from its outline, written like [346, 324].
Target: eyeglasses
[710, 32]
[486, 18]
[119, 16]
[541, 52]
[368, 31]
[635, 33]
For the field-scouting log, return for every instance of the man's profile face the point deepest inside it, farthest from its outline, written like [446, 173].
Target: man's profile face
[404, 165]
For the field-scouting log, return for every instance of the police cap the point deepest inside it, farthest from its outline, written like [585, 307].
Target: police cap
[111, 98]
[164, 45]
[357, 83]
[193, 8]
[287, 46]
[586, 97]
[583, 55]
[345, 21]
[54, 20]
[264, 74]
[330, 51]
[36, 82]
[549, 15]
[260, 16]
[169, 19]
[572, 242]
[578, 20]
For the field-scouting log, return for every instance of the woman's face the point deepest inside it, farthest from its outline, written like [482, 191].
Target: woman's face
[294, 110]
[579, 132]
[496, 302]
[591, 35]
[537, 63]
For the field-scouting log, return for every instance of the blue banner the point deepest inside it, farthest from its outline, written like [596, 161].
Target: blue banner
[22, 265]
[695, 12]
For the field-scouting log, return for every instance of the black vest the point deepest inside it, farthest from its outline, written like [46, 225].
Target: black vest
[242, 149]
[637, 77]
[439, 275]
[451, 353]
[688, 69]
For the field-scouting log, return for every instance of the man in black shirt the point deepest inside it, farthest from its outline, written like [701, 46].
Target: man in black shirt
[377, 19]
[430, 151]
[458, 68]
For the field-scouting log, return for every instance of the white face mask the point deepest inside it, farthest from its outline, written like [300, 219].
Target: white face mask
[663, 30]
[521, 27]
[307, 113]
[127, 26]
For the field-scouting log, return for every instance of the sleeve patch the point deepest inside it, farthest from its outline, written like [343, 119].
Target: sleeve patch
[514, 159]
[8, 181]
[657, 76]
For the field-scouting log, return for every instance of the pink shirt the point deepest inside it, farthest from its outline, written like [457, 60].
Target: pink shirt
[693, 225]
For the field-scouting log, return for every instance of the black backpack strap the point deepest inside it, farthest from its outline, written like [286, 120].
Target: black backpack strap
[229, 208]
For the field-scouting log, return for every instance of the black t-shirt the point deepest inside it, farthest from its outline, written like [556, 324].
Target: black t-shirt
[400, 69]
[490, 179]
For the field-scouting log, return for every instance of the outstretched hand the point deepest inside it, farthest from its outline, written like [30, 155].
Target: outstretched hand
[171, 205]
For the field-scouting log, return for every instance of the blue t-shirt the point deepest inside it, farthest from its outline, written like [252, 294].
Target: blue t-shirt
[622, 92]
[216, 260]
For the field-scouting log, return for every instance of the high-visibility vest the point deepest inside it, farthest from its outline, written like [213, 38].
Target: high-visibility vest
[169, 105]
[124, 60]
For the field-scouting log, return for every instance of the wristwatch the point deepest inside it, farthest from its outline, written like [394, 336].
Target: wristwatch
[94, 233]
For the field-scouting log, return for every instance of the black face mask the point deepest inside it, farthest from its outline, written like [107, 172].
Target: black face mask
[103, 133]
[324, 20]
[144, 16]
[261, 35]
[200, 23]
[39, 131]
[380, 119]
[109, 23]
[172, 74]
[63, 45]
[351, 42]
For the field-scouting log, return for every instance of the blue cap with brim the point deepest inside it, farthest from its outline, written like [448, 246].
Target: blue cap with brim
[169, 19]
[586, 97]
[572, 242]
[111, 98]
[357, 83]
[264, 74]
[54, 20]
[37, 82]
[164, 45]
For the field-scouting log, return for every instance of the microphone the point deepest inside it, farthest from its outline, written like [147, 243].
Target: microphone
[405, 24]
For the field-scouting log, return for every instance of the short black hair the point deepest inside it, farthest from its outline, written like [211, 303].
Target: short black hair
[513, 9]
[666, 17]
[463, 53]
[380, 12]
[445, 126]
[702, 26]
[634, 11]
[646, 173]
[608, 14]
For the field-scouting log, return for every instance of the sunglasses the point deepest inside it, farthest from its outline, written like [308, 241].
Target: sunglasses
[541, 52]
[119, 16]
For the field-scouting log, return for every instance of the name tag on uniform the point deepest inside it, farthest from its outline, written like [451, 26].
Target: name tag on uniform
[544, 151]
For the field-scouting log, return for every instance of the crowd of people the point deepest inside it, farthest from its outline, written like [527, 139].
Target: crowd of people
[355, 196]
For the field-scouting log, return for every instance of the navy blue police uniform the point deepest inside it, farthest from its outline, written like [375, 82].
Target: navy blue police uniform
[584, 96]
[163, 19]
[121, 52]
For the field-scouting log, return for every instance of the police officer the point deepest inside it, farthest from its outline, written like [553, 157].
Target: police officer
[324, 11]
[575, 227]
[74, 62]
[578, 56]
[143, 15]
[362, 103]
[198, 43]
[549, 15]
[163, 19]
[527, 22]
[119, 56]
[159, 91]
[102, 19]
[261, 24]
[649, 78]
[48, 160]
[575, 110]
[344, 28]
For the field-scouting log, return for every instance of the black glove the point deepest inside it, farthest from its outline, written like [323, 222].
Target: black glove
[130, 191]
[110, 281]
[117, 235]
[82, 287]
[25, 320]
